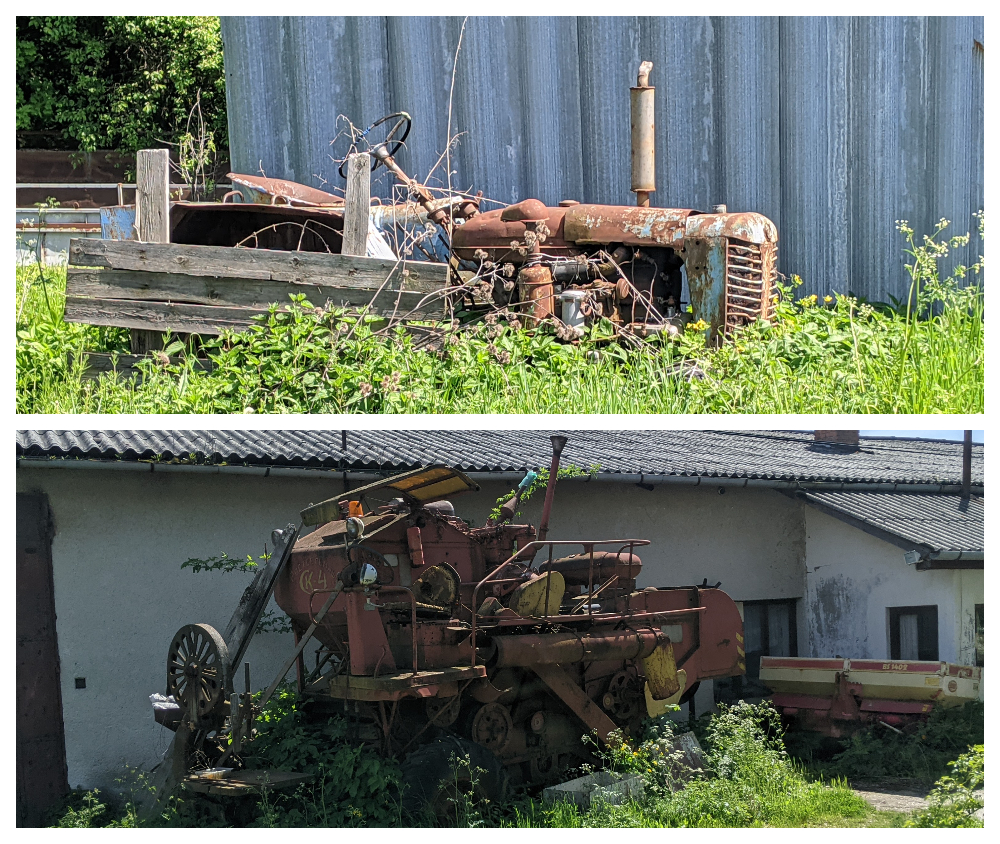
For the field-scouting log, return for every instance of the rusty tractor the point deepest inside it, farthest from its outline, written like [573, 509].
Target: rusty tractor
[436, 639]
[577, 263]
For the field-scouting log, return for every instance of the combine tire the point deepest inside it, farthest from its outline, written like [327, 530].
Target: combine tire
[437, 773]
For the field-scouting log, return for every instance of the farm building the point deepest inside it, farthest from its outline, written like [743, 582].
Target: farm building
[833, 544]
[832, 125]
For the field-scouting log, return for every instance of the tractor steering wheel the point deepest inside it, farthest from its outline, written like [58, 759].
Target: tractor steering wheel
[393, 139]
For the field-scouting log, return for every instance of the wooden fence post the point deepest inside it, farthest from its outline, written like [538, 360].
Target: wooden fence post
[152, 206]
[357, 204]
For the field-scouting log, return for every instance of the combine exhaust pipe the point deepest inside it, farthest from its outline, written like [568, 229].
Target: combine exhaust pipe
[558, 444]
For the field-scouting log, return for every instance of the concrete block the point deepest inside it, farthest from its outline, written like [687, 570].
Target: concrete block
[693, 756]
[594, 789]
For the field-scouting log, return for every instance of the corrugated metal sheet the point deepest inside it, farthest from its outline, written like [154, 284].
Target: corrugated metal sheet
[741, 454]
[833, 127]
[936, 522]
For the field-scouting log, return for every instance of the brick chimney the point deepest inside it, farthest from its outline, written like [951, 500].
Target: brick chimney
[849, 438]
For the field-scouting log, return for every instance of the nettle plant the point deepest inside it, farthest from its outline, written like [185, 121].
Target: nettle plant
[538, 479]
[271, 621]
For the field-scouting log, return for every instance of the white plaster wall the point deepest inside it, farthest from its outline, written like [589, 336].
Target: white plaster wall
[120, 593]
[853, 577]
[753, 540]
[971, 588]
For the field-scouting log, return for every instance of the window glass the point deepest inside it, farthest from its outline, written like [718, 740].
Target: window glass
[753, 627]
[909, 637]
[768, 630]
[913, 633]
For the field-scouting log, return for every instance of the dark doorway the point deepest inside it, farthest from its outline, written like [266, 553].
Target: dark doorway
[913, 633]
[41, 744]
[769, 629]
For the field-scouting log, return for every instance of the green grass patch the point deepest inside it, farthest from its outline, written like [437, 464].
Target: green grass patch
[830, 355]
[749, 781]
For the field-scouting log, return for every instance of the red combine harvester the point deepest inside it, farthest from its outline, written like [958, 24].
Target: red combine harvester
[839, 697]
[438, 639]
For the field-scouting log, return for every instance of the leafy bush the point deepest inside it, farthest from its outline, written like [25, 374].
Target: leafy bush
[122, 83]
[354, 786]
[957, 797]
[923, 754]
[82, 810]
[750, 782]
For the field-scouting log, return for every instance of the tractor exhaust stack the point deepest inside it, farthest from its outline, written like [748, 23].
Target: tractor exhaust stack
[643, 137]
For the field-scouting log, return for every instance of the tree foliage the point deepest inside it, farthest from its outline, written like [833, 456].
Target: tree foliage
[121, 83]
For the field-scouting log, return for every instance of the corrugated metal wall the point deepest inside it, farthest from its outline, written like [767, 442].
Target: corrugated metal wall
[833, 127]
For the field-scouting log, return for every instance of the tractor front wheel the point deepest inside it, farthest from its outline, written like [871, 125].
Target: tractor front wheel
[449, 776]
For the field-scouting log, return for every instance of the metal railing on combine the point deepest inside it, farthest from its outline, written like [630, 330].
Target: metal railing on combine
[521, 556]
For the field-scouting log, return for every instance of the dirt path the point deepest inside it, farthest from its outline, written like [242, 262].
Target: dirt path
[893, 795]
[898, 795]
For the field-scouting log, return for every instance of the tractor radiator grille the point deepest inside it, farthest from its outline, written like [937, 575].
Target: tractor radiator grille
[751, 271]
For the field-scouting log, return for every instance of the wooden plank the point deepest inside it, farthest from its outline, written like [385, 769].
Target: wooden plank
[152, 207]
[97, 364]
[152, 195]
[239, 293]
[243, 623]
[158, 316]
[243, 783]
[182, 318]
[357, 201]
[259, 264]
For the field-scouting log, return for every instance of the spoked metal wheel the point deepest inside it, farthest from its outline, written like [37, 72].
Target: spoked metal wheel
[198, 672]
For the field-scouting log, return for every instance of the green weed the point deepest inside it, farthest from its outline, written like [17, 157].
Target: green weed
[956, 797]
[82, 810]
[751, 781]
[836, 355]
[353, 785]
[922, 754]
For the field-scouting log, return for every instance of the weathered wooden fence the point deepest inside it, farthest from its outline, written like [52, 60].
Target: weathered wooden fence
[202, 289]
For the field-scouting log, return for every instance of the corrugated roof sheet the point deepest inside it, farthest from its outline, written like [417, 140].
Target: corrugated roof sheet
[779, 455]
[935, 522]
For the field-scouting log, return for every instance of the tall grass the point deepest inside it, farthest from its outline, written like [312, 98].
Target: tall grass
[835, 355]
[751, 781]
